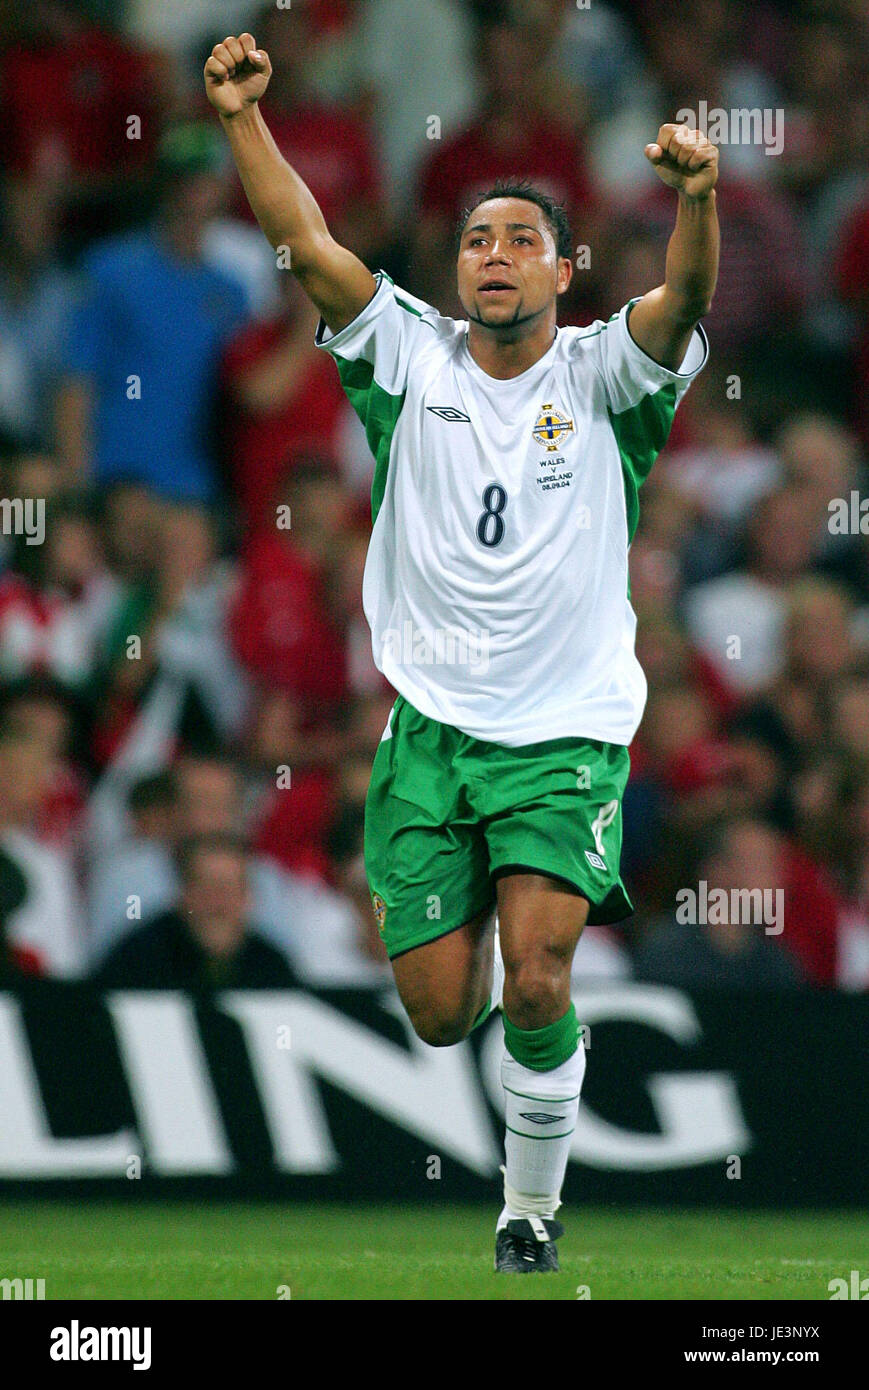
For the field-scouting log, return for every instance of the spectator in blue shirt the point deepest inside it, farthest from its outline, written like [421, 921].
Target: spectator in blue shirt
[145, 340]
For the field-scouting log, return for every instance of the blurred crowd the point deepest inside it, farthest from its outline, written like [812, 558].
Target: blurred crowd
[188, 702]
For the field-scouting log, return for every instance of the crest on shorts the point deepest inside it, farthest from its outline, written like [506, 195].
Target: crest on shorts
[379, 910]
[550, 426]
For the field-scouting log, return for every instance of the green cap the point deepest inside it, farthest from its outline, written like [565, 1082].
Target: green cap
[191, 147]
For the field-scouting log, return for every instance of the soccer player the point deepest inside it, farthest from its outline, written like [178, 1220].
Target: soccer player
[509, 455]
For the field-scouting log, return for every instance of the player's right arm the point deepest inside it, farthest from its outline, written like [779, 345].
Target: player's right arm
[236, 76]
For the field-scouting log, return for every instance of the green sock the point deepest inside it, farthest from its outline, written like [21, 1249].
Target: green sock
[543, 1049]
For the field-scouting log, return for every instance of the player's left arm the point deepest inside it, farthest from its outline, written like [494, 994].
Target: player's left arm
[662, 322]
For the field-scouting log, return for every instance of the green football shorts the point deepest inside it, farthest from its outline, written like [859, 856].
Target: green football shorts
[445, 813]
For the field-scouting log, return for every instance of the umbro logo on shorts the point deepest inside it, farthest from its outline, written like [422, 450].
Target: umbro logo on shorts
[595, 860]
[449, 412]
[538, 1118]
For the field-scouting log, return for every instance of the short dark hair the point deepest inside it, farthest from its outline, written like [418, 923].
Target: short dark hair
[214, 842]
[37, 688]
[553, 211]
[156, 791]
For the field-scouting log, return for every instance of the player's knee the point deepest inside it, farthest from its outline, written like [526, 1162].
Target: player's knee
[534, 988]
[439, 1027]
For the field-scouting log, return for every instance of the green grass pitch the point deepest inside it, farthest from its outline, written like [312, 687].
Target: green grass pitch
[155, 1250]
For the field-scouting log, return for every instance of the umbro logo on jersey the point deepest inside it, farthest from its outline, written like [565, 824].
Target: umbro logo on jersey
[449, 412]
[537, 1117]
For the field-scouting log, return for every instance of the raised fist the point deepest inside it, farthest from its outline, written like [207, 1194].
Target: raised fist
[685, 159]
[236, 74]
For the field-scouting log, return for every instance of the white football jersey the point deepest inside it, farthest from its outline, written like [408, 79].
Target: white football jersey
[496, 583]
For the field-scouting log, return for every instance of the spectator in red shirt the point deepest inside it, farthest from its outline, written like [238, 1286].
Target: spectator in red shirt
[68, 122]
[813, 913]
[343, 593]
[278, 624]
[284, 399]
[291, 786]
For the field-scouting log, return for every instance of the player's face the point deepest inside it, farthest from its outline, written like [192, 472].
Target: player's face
[509, 270]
